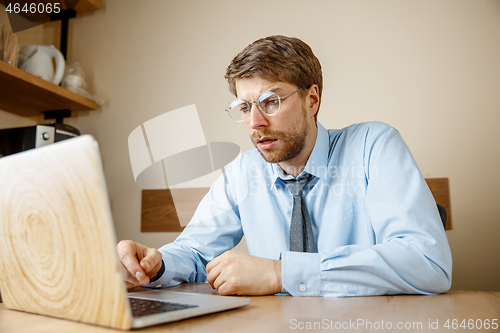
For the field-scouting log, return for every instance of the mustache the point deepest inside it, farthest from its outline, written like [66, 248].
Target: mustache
[259, 134]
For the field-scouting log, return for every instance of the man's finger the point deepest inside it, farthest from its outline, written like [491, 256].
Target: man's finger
[128, 252]
[224, 290]
[130, 280]
[127, 276]
[214, 262]
[132, 265]
[219, 282]
[213, 275]
[151, 263]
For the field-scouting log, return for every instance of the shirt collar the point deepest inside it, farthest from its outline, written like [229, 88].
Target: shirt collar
[316, 164]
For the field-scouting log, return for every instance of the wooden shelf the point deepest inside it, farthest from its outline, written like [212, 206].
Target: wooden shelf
[85, 6]
[28, 95]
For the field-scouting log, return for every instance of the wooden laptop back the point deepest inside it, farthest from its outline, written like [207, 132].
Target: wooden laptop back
[57, 242]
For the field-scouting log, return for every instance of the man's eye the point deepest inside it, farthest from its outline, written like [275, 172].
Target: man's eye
[244, 109]
[271, 103]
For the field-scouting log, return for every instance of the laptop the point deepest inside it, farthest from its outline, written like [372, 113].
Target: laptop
[58, 247]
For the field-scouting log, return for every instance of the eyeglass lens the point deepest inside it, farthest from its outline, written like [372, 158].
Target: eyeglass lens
[269, 103]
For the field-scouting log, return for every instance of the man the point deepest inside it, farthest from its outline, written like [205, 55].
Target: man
[324, 212]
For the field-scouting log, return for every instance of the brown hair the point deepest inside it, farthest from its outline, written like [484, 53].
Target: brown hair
[277, 58]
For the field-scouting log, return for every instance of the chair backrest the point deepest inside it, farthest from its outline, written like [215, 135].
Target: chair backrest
[442, 213]
[440, 189]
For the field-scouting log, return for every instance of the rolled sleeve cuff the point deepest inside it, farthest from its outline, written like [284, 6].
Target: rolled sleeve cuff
[301, 274]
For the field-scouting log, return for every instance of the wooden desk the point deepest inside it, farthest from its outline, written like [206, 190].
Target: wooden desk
[284, 313]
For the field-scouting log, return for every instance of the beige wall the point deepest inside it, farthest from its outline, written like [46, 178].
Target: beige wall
[431, 68]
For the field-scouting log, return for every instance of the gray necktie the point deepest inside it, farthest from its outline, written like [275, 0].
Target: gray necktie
[301, 235]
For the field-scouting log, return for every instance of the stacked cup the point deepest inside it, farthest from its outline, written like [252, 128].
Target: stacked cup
[9, 46]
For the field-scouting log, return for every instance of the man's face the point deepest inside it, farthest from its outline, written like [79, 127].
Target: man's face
[281, 137]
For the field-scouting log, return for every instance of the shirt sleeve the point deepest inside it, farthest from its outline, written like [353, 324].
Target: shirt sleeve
[410, 254]
[214, 229]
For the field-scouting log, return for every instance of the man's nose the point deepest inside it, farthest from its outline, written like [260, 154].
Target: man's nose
[257, 119]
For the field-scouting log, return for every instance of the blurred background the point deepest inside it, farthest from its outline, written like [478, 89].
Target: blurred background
[430, 68]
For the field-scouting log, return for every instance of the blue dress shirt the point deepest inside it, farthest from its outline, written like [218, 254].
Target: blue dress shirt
[375, 223]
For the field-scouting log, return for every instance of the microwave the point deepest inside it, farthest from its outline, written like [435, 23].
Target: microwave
[15, 140]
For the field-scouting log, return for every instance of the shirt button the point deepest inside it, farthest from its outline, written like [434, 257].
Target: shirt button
[302, 287]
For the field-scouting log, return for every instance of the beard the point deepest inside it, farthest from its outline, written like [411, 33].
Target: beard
[292, 143]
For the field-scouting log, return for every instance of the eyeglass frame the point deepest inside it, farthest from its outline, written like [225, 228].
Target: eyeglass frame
[280, 99]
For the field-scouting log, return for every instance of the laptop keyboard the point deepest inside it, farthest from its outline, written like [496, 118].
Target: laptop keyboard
[144, 307]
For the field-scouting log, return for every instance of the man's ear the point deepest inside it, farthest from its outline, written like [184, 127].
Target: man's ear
[312, 99]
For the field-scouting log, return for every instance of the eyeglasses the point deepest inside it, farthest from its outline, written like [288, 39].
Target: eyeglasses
[269, 103]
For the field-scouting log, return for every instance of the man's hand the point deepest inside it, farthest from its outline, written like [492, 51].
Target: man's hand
[238, 273]
[140, 263]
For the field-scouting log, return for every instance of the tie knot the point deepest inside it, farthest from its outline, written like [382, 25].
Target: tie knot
[296, 186]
